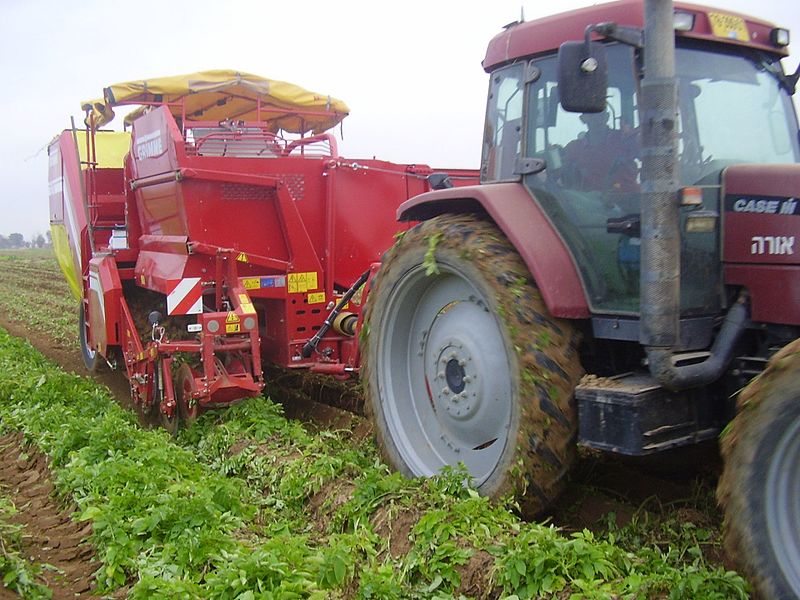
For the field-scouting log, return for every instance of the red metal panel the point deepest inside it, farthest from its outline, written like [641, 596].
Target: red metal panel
[764, 180]
[761, 229]
[761, 221]
[104, 294]
[154, 270]
[547, 34]
[74, 208]
[774, 291]
[155, 142]
[527, 228]
[365, 200]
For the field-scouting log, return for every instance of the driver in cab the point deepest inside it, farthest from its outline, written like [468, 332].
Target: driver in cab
[601, 159]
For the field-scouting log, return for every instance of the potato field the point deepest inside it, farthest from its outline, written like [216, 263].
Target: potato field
[248, 503]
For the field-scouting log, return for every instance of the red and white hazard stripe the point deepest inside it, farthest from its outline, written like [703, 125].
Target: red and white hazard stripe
[185, 297]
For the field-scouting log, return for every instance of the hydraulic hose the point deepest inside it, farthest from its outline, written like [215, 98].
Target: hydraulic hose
[312, 344]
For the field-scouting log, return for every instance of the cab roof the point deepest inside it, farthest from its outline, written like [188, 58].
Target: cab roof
[547, 34]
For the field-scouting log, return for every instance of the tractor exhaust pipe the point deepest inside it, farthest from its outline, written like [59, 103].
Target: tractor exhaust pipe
[660, 258]
[660, 217]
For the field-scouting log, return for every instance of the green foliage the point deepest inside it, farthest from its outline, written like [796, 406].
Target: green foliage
[231, 509]
[34, 292]
[429, 261]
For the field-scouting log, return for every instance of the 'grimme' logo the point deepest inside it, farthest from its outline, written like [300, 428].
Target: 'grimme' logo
[149, 145]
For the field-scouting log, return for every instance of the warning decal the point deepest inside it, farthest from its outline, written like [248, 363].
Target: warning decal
[316, 298]
[242, 257]
[302, 282]
[185, 297]
[271, 281]
[247, 306]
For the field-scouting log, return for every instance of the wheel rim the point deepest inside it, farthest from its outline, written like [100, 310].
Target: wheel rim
[783, 505]
[445, 388]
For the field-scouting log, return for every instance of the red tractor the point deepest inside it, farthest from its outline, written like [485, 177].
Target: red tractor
[222, 231]
[628, 268]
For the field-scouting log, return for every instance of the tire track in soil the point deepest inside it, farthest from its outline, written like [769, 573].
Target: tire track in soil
[50, 536]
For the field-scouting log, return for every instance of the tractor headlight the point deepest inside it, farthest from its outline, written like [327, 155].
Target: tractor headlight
[683, 21]
[779, 37]
[701, 221]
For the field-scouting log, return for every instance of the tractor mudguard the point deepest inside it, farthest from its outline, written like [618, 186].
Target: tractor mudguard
[511, 208]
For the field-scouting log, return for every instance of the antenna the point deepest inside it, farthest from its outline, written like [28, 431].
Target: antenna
[521, 14]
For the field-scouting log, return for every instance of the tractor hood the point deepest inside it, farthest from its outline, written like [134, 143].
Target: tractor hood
[761, 233]
[762, 214]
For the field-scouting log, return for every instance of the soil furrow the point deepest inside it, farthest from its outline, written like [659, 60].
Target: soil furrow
[50, 536]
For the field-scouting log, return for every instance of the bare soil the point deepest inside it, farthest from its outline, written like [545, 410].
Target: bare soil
[50, 536]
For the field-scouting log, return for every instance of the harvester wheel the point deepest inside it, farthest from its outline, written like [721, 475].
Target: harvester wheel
[148, 413]
[188, 409]
[760, 486]
[91, 358]
[463, 363]
[170, 424]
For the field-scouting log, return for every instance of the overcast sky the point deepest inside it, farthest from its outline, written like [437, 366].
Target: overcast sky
[409, 70]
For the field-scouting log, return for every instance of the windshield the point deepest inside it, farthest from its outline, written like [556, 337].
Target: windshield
[732, 109]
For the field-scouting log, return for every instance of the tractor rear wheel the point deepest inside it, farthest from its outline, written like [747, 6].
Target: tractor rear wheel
[463, 364]
[91, 358]
[760, 486]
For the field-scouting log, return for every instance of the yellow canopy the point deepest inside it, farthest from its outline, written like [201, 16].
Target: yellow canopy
[222, 94]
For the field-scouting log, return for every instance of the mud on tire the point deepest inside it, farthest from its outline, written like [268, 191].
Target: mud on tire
[759, 486]
[463, 363]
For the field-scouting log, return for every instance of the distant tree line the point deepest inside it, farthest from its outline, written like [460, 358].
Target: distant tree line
[17, 240]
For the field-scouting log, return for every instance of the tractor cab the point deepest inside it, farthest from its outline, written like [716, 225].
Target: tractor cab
[584, 166]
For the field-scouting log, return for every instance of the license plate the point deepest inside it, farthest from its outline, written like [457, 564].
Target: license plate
[728, 26]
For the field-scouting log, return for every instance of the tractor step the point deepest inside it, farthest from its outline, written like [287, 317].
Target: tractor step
[633, 414]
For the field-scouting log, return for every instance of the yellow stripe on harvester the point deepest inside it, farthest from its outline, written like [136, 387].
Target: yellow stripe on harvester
[58, 233]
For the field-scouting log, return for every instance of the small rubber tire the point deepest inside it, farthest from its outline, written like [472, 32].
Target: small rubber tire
[463, 363]
[170, 424]
[91, 358]
[760, 486]
[188, 408]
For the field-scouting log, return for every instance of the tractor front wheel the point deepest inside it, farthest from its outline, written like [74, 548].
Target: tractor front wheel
[463, 364]
[760, 486]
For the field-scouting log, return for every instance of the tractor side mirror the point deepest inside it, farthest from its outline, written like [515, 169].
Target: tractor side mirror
[582, 76]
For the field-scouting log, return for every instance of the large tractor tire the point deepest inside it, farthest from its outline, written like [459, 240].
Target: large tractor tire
[91, 358]
[463, 364]
[760, 486]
